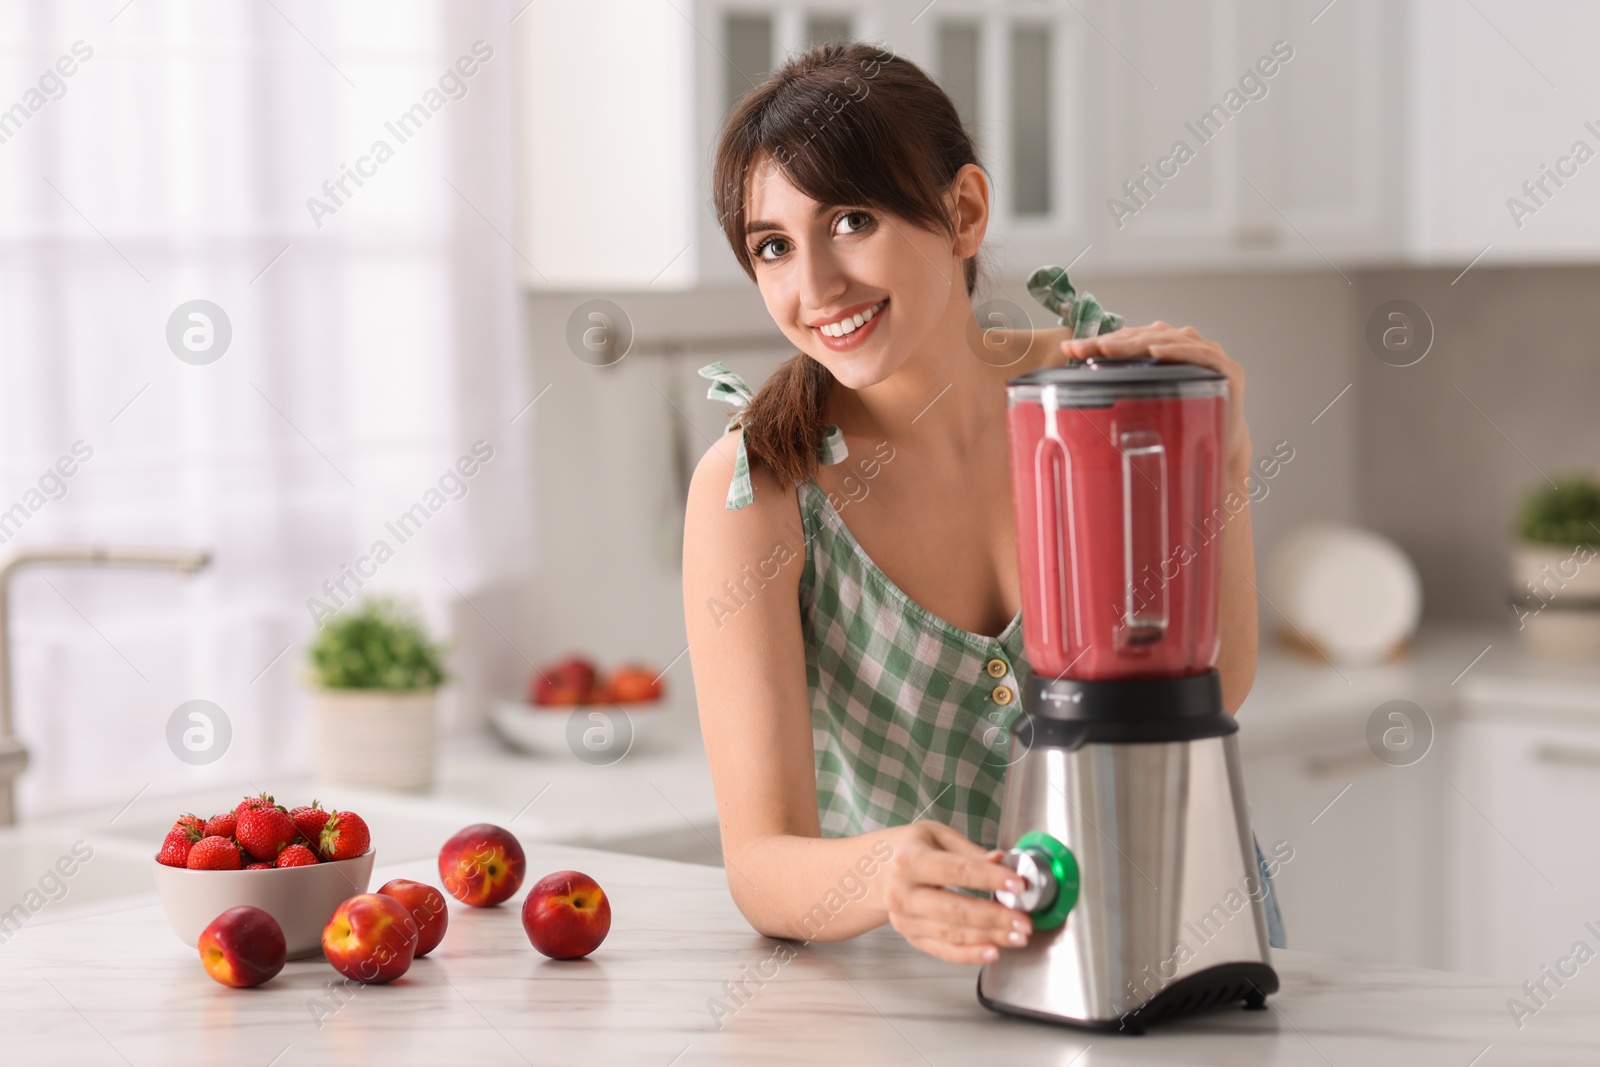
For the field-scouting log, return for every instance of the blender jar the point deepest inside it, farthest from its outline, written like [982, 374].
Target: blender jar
[1117, 471]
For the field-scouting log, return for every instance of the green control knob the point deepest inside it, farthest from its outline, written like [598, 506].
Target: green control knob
[1049, 874]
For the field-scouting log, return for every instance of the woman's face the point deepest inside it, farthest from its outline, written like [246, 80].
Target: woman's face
[818, 263]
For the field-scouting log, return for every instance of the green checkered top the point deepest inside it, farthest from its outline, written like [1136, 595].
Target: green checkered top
[909, 713]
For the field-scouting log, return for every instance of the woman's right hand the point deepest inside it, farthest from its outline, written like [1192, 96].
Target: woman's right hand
[929, 857]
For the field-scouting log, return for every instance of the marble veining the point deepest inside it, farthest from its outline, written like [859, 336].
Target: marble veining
[119, 988]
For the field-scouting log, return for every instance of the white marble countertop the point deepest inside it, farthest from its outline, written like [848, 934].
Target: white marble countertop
[119, 988]
[1447, 669]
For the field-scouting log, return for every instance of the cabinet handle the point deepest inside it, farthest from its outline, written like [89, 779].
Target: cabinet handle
[1354, 762]
[1568, 755]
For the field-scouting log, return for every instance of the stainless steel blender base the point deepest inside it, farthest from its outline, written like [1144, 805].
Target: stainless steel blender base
[1213, 987]
[1169, 916]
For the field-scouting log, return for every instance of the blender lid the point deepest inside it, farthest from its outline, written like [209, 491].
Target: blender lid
[1098, 379]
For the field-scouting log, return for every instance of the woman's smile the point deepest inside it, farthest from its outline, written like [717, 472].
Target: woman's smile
[850, 331]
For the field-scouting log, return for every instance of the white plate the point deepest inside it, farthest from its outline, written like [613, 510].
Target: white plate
[552, 731]
[1353, 594]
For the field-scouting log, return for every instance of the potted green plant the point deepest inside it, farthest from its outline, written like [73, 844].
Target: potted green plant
[1555, 571]
[375, 674]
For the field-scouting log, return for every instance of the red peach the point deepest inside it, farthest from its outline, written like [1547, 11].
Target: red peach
[482, 865]
[371, 939]
[242, 947]
[426, 905]
[566, 915]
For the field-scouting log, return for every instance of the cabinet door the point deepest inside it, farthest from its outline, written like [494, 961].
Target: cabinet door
[1159, 66]
[1363, 883]
[1524, 797]
[1323, 162]
[1505, 89]
[608, 171]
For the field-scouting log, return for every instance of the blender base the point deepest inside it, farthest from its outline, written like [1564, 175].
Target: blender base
[1213, 987]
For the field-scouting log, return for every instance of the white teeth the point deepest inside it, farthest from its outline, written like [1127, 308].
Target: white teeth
[845, 327]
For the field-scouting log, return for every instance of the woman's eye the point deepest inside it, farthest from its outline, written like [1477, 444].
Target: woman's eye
[759, 251]
[859, 221]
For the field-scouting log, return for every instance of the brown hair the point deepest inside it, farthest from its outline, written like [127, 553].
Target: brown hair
[847, 124]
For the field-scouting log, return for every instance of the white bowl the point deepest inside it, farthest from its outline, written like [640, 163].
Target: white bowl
[544, 731]
[302, 899]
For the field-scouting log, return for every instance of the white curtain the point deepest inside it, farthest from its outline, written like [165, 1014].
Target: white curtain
[156, 153]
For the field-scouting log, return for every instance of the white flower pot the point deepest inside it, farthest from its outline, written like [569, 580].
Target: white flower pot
[1562, 578]
[379, 738]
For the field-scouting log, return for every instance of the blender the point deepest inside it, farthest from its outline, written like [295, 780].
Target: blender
[1123, 811]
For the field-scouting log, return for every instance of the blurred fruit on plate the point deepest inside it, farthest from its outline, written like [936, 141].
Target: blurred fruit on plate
[566, 915]
[563, 683]
[426, 905]
[371, 939]
[482, 865]
[634, 684]
[575, 680]
[242, 947]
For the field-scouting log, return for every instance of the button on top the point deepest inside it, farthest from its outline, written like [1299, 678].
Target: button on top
[1002, 694]
[996, 667]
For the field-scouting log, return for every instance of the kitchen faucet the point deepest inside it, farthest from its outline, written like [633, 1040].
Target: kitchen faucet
[13, 754]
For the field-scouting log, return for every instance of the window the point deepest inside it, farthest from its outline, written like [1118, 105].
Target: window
[821, 29]
[958, 69]
[747, 54]
[1030, 119]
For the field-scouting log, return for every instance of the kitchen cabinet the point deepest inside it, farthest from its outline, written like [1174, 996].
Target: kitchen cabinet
[1365, 879]
[1318, 135]
[1238, 133]
[1503, 93]
[1526, 864]
[1013, 67]
[617, 180]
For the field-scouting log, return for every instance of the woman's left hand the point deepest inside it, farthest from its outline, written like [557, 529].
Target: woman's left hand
[1180, 345]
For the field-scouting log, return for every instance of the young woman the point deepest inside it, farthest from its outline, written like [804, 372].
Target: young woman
[850, 564]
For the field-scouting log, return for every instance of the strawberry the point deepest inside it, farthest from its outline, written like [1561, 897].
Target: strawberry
[345, 837]
[175, 849]
[220, 825]
[260, 801]
[191, 822]
[310, 822]
[264, 831]
[296, 856]
[214, 854]
[258, 866]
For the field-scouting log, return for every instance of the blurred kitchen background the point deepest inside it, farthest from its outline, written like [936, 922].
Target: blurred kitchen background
[1372, 230]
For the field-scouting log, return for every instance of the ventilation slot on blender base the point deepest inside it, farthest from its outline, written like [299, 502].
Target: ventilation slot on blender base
[1213, 987]
[1207, 989]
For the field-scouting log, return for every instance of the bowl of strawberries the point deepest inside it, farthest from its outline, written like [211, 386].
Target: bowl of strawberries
[296, 864]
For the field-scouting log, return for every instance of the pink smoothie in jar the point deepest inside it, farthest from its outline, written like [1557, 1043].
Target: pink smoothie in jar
[1116, 471]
